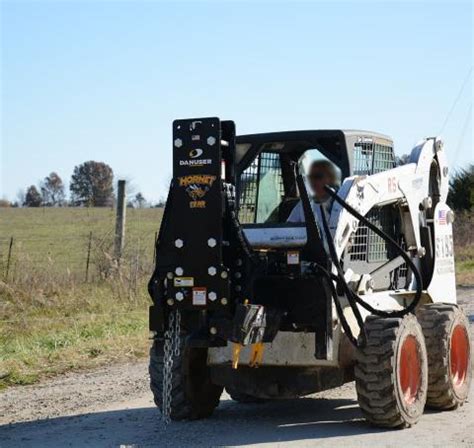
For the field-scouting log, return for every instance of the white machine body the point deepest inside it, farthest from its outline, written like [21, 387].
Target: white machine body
[407, 184]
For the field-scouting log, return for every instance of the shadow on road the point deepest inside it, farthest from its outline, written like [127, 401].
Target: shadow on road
[305, 419]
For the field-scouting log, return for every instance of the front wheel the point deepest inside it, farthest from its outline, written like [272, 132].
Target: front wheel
[446, 331]
[392, 372]
[193, 395]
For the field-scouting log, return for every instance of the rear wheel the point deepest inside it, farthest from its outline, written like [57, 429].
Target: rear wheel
[391, 372]
[446, 331]
[193, 395]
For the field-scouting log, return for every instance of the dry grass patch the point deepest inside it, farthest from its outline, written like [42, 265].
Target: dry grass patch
[464, 248]
[85, 327]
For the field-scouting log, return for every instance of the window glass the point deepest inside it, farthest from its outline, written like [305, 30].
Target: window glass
[261, 189]
[313, 155]
[270, 188]
[248, 193]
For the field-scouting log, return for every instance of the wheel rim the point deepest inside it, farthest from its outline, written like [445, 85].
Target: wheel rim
[459, 356]
[410, 369]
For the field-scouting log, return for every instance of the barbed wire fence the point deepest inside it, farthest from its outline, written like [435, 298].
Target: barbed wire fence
[45, 258]
[43, 254]
[85, 258]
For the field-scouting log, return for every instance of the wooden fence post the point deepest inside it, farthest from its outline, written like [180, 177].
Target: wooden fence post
[88, 256]
[10, 248]
[120, 221]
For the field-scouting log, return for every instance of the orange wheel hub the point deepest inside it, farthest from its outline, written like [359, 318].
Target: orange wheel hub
[459, 355]
[410, 369]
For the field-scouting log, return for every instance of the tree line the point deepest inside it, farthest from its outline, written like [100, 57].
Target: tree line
[91, 185]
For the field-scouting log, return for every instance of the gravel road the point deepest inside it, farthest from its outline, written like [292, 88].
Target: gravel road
[112, 407]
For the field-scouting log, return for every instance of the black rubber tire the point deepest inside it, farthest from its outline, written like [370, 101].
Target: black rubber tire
[243, 398]
[438, 321]
[377, 372]
[193, 395]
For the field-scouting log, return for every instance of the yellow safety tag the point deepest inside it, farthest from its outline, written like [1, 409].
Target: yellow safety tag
[236, 348]
[256, 355]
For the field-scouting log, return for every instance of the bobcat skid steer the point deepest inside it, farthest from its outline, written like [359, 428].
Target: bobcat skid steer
[268, 309]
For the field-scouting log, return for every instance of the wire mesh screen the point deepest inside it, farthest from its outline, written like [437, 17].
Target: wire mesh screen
[378, 248]
[358, 250]
[363, 153]
[367, 245]
[261, 186]
[384, 158]
[248, 192]
[372, 158]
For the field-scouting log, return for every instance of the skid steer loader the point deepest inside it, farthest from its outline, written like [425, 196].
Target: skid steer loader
[265, 308]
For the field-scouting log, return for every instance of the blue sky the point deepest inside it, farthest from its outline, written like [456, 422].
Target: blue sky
[88, 80]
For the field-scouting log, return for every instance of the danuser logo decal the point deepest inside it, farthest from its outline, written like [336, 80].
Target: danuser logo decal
[196, 187]
[194, 153]
[194, 159]
[195, 162]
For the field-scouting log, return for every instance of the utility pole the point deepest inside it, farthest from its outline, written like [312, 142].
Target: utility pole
[120, 221]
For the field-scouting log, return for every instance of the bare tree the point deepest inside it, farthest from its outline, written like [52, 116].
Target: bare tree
[52, 189]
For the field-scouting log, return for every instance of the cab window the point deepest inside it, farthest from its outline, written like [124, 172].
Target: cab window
[261, 189]
[262, 197]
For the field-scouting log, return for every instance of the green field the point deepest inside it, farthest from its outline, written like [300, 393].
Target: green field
[465, 266]
[60, 237]
[464, 247]
[54, 317]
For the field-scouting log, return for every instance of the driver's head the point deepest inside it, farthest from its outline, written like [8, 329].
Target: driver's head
[321, 173]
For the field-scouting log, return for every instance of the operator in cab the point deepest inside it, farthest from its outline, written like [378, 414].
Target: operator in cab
[320, 173]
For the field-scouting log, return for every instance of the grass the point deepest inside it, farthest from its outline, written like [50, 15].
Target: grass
[53, 321]
[56, 240]
[83, 328]
[465, 267]
[464, 248]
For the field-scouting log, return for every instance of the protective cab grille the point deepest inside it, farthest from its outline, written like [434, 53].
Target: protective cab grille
[372, 158]
[368, 247]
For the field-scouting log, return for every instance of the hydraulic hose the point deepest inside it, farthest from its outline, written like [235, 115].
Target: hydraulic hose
[351, 294]
[340, 274]
[339, 310]
[240, 235]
